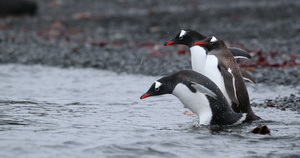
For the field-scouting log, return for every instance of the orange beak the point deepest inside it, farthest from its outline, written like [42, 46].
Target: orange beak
[169, 43]
[200, 43]
[145, 96]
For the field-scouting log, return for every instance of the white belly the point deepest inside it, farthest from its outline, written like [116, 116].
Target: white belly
[198, 59]
[208, 66]
[213, 73]
[196, 102]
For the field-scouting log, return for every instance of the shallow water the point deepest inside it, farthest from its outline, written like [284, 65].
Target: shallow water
[47, 112]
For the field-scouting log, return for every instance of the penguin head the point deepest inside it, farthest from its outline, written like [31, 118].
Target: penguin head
[159, 87]
[211, 43]
[186, 37]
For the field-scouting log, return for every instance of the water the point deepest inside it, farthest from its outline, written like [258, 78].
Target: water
[53, 112]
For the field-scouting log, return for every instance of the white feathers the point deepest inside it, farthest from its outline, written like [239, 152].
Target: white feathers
[157, 84]
[213, 39]
[243, 118]
[196, 102]
[233, 82]
[247, 79]
[213, 73]
[182, 33]
[239, 53]
[207, 65]
[240, 57]
[198, 59]
[201, 89]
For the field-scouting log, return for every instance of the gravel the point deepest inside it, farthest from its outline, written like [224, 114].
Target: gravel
[291, 102]
[128, 36]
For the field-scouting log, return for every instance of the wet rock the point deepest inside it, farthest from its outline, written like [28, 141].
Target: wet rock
[260, 129]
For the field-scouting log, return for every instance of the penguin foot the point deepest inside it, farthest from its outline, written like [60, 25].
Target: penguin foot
[189, 113]
[253, 116]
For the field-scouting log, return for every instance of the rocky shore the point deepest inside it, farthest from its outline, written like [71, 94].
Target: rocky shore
[128, 37]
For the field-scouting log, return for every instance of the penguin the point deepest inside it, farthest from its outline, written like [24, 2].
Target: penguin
[200, 95]
[188, 37]
[222, 69]
[204, 62]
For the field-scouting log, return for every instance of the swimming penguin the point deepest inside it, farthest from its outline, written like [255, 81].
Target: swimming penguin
[189, 37]
[200, 95]
[222, 69]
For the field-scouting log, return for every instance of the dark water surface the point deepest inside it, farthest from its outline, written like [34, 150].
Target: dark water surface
[53, 112]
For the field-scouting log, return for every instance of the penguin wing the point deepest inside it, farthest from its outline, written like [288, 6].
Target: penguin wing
[202, 89]
[239, 53]
[247, 76]
[229, 82]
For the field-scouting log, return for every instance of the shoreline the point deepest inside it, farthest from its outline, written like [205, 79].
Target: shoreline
[283, 97]
[128, 37]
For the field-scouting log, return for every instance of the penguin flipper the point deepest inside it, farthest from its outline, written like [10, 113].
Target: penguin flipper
[229, 82]
[247, 76]
[239, 53]
[202, 89]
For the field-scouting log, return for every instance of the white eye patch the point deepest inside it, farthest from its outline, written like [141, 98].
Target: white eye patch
[157, 84]
[213, 39]
[182, 33]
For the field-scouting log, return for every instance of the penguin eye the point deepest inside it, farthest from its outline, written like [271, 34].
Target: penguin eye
[180, 38]
[157, 89]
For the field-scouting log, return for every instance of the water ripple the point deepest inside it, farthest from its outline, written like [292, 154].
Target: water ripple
[47, 112]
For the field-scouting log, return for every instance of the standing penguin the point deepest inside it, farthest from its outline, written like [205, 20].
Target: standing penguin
[222, 69]
[204, 62]
[200, 95]
[188, 37]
